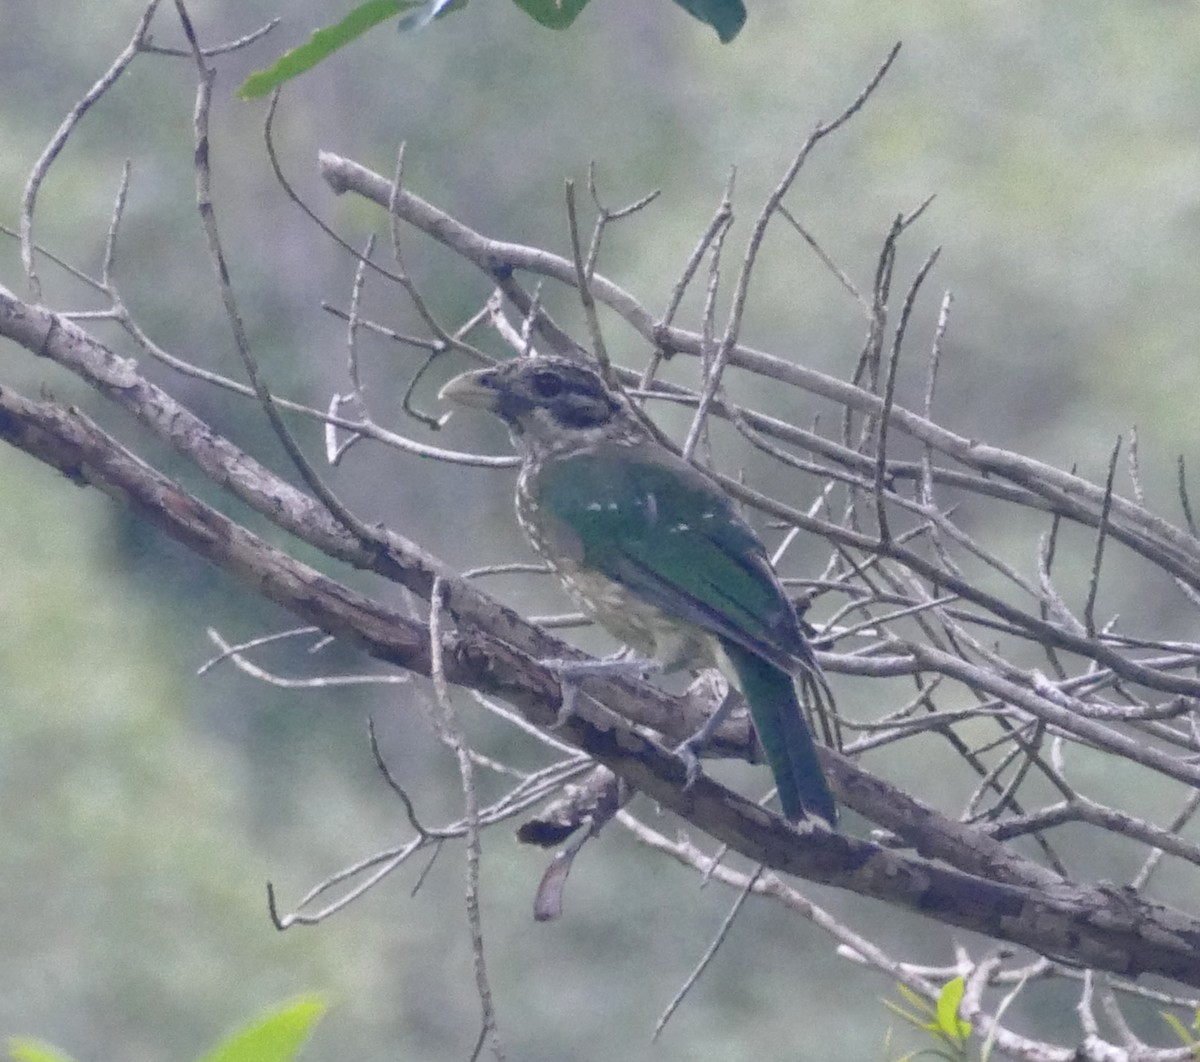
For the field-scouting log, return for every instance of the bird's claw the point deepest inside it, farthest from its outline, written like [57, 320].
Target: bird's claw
[689, 750]
[689, 753]
[571, 673]
[568, 688]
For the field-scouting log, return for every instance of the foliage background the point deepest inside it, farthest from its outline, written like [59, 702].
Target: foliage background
[144, 808]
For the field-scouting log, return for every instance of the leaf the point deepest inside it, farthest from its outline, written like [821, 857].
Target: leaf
[908, 1016]
[725, 16]
[948, 1021]
[23, 1049]
[1181, 1030]
[553, 14]
[917, 1001]
[322, 44]
[275, 1037]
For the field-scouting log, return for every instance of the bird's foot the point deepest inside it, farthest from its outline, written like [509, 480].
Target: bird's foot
[572, 672]
[689, 750]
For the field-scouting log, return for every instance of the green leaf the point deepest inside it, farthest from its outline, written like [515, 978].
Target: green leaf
[948, 1021]
[908, 1016]
[23, 1049]
[917, 1001]
[322, 44]
[275, 1037]
[1182, 1031]
[725, 16]
[553, 14]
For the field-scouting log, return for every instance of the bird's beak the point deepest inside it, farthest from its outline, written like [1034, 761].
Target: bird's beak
[476, 389]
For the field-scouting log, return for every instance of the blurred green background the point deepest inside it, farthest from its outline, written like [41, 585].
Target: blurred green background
[143, 808]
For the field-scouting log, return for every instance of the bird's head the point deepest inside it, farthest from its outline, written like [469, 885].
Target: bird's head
[549, 404]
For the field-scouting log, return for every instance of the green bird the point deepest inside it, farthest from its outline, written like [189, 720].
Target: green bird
[653, 550]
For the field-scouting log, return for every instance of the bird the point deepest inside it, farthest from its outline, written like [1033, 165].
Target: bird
[653, 549]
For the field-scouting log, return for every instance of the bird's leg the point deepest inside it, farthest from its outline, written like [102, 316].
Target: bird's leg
[689, 749]
[621, 664]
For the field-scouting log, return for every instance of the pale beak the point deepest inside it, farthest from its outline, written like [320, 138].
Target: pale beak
[474, 389]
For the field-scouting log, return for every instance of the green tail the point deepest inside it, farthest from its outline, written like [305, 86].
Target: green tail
[779, 721]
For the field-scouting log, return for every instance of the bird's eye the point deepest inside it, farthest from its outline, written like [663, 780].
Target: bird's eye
[547, 384]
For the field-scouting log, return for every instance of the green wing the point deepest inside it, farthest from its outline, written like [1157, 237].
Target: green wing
[651, 522]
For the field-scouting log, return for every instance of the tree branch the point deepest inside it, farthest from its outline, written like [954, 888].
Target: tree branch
[1101, 928]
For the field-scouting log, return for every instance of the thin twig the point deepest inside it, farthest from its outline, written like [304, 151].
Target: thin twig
[233, 315]
[713, 361]
[52, 150]
[583, 283]
[889, 396]
[452, 732]
[238, 43]
[1089, 609]
[709, 953]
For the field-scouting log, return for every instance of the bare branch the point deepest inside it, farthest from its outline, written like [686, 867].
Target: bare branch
[52, 150]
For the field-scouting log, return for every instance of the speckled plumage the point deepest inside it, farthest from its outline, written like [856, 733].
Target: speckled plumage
[638, 623]
[653, 550]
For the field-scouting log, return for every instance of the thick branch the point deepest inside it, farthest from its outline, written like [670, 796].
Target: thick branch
[404, 562]
[1100, 928]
